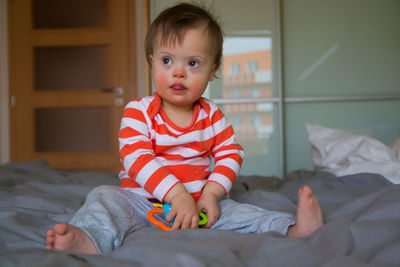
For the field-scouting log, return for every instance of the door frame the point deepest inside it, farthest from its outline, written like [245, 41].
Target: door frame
[4, 85]
[24, 37]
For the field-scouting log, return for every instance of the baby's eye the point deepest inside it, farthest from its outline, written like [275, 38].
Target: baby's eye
[193, 63]
[166, 60]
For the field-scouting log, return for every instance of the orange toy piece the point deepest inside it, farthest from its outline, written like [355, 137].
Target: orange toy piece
[154, 221]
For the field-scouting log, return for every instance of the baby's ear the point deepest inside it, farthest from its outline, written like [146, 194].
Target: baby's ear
[150, 61]
[214, 70]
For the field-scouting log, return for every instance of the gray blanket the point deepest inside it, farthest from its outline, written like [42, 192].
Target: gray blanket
[361, 212]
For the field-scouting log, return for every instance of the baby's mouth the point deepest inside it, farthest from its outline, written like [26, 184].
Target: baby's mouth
[178, 88]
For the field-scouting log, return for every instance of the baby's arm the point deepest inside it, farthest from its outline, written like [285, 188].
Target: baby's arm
[227, 153]
[183, 208]
[228, 157]
[208, 202]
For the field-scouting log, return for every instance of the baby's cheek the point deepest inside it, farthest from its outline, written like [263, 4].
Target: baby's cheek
[199, 84]
[161, 80]
[196, 82]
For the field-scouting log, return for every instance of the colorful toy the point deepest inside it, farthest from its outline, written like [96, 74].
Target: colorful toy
[164, 209]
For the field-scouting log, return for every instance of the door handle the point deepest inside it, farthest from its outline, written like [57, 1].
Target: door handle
[118, 92]
[115, 90]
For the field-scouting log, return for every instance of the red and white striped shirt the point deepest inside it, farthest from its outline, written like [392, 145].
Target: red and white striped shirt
[156, 154]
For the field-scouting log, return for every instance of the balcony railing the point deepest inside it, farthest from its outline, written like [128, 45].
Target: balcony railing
[258, 77]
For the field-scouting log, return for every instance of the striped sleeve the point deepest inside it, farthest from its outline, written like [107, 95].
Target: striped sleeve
[227, 153]
[137, 154]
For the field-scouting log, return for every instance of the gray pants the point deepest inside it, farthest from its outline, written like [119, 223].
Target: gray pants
[110, 213]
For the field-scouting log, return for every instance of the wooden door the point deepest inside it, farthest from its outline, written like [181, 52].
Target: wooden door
[71, 73]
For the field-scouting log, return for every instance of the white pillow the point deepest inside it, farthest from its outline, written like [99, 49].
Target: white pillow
[395, 145]
[342, 153]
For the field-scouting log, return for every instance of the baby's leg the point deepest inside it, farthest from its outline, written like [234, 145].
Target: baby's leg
[66, 237]
[309, 215]
[101, 224]
[247, 219]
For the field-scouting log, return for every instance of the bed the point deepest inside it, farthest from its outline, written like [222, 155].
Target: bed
[361, 213]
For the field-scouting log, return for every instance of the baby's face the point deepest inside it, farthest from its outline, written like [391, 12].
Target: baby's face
[181, 72]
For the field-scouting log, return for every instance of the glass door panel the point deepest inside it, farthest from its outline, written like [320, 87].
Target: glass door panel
[72, 68]
[72, 129]
[256, 127]
[351, 56]
[246, 88]
[69, 14]
[327, 57]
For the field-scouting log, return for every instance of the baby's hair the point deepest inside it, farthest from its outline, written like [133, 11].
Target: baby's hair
[173, 22]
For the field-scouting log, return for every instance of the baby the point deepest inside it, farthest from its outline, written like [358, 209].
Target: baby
[166, 144]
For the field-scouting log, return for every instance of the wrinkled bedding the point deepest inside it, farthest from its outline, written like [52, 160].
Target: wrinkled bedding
[343, 152]
[361, 212]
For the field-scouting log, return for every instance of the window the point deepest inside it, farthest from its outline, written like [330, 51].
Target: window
[255, 120]
[234, 69]
[252, 66]
[254, 92]
[236, 93]
[236, 121]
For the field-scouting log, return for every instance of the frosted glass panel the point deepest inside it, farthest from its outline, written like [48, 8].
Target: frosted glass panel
[247, 72]
[342, 48]
[379, 120]
[256, 129]
[69, 13]
[72, 129]
[72, 68]
[237, 17]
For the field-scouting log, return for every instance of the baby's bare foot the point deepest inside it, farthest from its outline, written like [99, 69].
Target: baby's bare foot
[66, 237]
[309, 215]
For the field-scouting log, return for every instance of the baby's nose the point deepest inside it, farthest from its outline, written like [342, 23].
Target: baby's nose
[179, 73]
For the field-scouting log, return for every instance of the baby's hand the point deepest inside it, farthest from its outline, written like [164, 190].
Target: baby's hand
[183, 208]
[208, 203]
